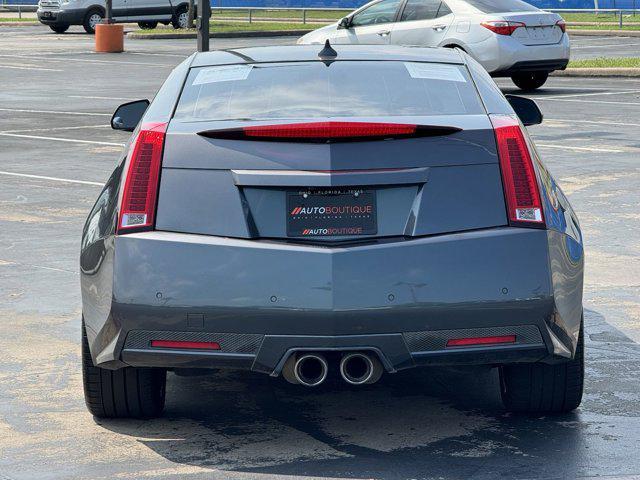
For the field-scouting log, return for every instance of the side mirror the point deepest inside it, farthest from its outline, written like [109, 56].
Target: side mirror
[526, 109]
[128, 115]
[344, 22]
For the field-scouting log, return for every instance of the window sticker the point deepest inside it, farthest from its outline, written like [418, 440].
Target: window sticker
[435, 71]
[226, 73]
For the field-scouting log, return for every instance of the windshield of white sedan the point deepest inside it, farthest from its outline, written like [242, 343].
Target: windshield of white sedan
[313, 89]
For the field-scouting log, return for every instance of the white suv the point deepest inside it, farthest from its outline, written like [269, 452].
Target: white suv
[510, 38]
[59, 14]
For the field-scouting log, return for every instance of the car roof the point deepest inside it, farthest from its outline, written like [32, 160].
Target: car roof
[299, 53]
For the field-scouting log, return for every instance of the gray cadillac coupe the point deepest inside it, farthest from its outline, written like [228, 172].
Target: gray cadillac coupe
[299, 211]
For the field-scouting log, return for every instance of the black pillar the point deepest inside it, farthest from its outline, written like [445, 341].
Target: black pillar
[108, 12]
[204, 14]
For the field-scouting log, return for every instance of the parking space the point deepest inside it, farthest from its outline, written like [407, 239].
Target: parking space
[56, 149]
[590, 47]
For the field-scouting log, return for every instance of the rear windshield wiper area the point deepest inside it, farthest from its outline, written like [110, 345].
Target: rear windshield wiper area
[329, 132]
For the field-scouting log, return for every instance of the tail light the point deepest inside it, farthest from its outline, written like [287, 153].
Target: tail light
[562, 25]
[502, 27]
[138, 204]
[324, 132]
[518, 174]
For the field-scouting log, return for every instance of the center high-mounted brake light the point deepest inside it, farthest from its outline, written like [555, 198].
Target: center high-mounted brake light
[518, 174]
[138, 204]
[330, 130]
[327, 132]
[502, 27]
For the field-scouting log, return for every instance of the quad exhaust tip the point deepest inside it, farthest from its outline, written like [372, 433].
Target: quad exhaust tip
[309, 369]
[360, 368]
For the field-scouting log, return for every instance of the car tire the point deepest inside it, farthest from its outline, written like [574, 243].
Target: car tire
[181, 18]
[147, 25]
[530, 80]
[91, 20]
[544, 388]
[125, 393]
[59, 28]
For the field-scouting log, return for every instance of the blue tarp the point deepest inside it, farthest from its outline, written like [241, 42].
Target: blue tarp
[357, 3]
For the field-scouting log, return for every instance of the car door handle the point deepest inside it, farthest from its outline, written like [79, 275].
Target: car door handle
[384, 33]
[439, 28]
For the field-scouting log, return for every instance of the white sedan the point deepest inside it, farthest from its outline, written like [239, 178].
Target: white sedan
[510, 38]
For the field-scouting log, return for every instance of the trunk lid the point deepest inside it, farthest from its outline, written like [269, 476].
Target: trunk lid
[249, 188]
[541, 28]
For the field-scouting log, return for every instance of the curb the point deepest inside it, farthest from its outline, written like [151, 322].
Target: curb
[19, 24]
[598, 72]
[603, 33]
[263, 33]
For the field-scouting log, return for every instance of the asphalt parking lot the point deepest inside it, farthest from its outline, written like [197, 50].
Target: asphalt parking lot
[56, 149]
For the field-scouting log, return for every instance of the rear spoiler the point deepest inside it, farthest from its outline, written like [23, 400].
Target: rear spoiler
[329, 132]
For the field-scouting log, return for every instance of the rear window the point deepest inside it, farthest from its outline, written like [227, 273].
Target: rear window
[501, 6]
[313, 89]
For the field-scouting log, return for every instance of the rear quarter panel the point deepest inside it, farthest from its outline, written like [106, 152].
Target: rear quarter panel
[97, 250]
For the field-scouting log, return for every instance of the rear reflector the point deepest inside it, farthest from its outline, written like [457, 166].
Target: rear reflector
[465, 342]
[138, 205]
[324, 132]
[502, 27]
[185, 345]
[518, 175]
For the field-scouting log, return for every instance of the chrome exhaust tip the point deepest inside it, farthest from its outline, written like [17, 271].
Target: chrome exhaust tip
[308, 369]
[360, 368]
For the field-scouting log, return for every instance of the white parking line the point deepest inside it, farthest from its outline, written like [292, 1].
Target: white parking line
[623, 92]
[87, 60]
[159, 54]
[587, 101]
[55, 139]
[579, 149]
[594, 122]
[53, 179]
[60, 112]
[22, 67]
[50, 129]
[13, 262]
[95, 97]
[606, 46]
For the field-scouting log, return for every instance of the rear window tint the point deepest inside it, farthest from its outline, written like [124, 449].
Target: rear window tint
[313, 89]
[501, 6]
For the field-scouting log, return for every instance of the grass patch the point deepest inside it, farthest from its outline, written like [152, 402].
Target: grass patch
[603, 27]
[287, 14]
[606, 62]
[14, 19]
[224, 27]
[601, 17]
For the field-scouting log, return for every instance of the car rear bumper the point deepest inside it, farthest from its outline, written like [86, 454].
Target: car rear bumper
[503, 55]
[533, 66]
[263, 300]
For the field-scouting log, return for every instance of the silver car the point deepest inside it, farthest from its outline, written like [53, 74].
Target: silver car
[60, 14]
[315, 212]
[510, 38]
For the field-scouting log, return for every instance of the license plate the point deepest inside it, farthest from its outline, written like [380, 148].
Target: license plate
[331, 213]
[538, 33]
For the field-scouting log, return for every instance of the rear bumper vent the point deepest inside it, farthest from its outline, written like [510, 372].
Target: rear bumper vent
[247, 343]
[437, 340]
